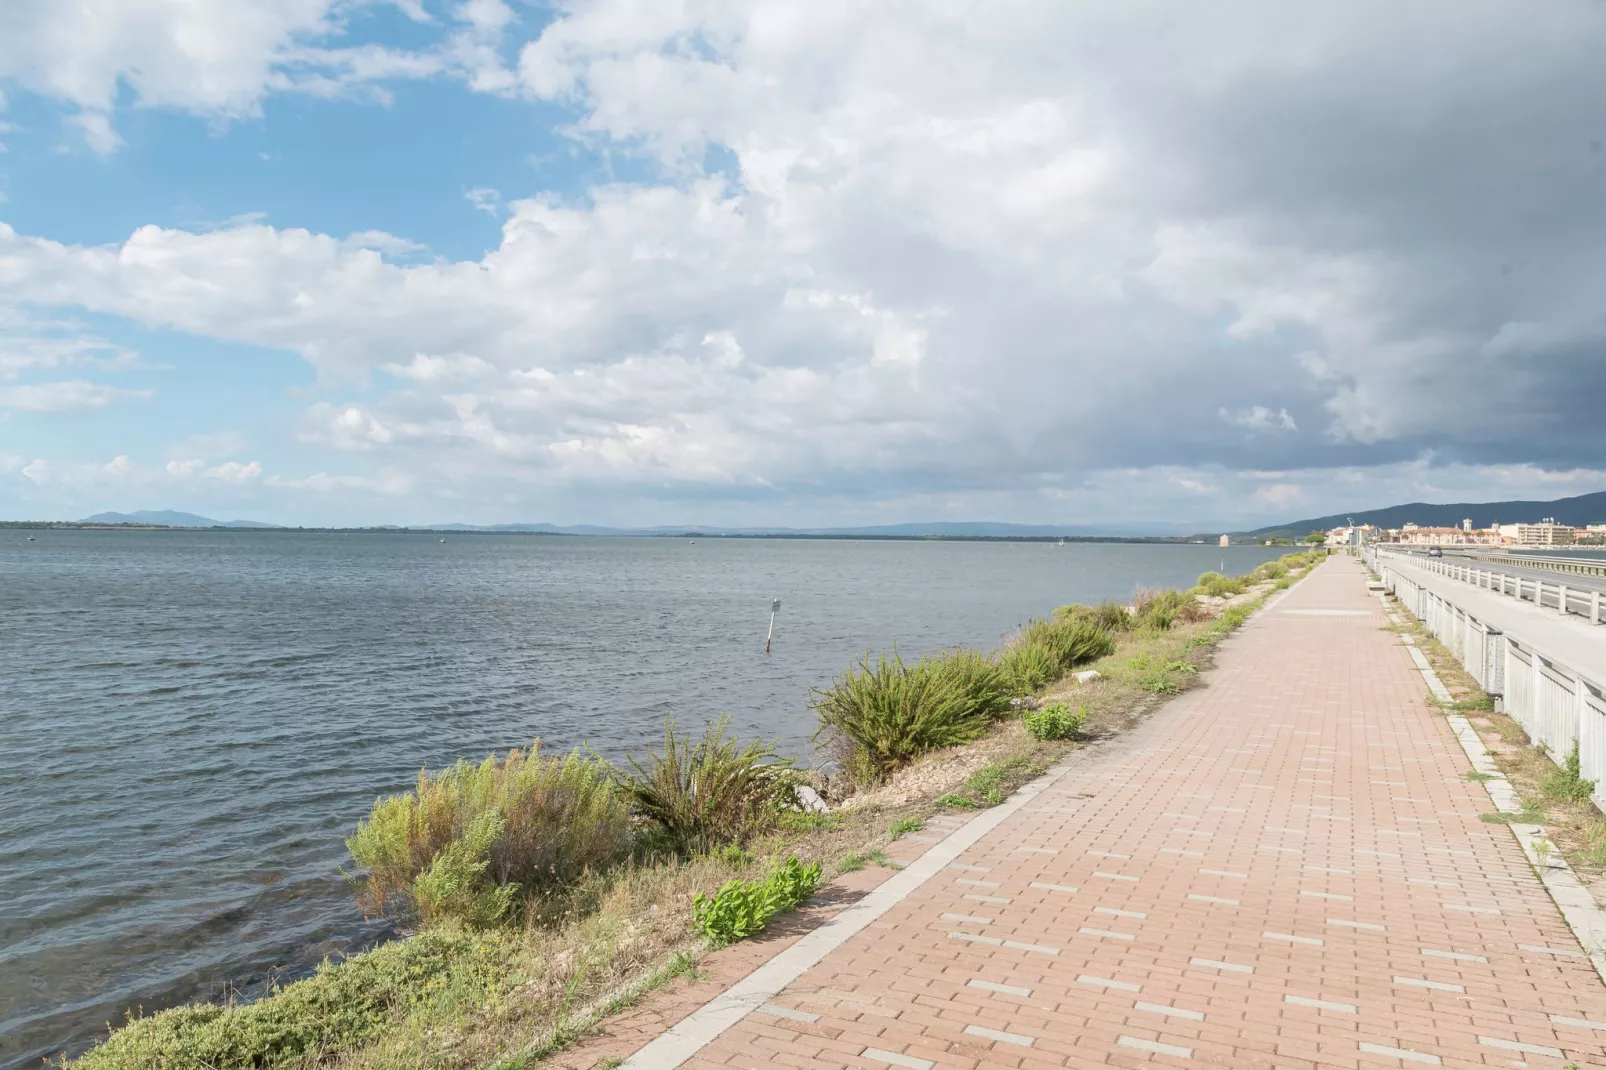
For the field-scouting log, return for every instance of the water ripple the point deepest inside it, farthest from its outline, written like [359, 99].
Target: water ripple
[192, 722]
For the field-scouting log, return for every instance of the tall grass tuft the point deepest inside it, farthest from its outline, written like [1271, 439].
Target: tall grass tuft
[981, 679]
[1069, 640]
[1157, 609]
[710, 793]
[1027, 667]
[884, 714]
[1216, 585]
[526, 821]
[1112, 616]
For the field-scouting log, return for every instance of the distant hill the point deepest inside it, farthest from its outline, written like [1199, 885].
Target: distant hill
[1583, 509]
[170, 518]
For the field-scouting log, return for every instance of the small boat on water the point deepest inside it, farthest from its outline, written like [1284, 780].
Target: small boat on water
[443, 538]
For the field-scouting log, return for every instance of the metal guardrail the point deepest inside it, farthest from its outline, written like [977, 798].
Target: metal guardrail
[1577, 568]
[1560, 701]
[1590, 604]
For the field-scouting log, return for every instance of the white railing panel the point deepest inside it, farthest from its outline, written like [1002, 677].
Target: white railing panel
[1558, 703]
[1518, 699]
[1592, 742]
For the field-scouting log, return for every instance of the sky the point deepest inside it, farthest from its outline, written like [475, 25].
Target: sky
[798, 262]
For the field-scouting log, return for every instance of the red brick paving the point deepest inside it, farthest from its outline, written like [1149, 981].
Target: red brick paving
[1284, 868]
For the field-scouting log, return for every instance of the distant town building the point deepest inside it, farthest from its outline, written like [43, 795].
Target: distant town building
[1466, 525]
[1546, 533]
[1225, 541]
[1416, 535]
[1345, 536]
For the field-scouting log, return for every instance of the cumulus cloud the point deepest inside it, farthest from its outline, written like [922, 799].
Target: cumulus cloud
[221, 60]
[966, 249]
[227, 472]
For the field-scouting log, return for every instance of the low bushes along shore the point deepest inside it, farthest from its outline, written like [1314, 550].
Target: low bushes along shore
[547, 891]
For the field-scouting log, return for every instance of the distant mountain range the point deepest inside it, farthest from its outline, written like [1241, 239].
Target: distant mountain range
[1583, 509]
[1578, 511]
[169, 518]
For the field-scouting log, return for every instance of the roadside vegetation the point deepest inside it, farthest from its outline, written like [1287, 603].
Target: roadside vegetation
[543, 892]
[1550, 788]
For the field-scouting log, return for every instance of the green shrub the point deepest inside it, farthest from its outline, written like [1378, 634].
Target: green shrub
[703, 795]
[885, 714]
[984, 683]
[1568, 782]
[343, 1004]
[1216, 585]
[454, 884]
[1112, 616]
[905, 825]
[557, 817]
[1069, 641]
[1055, 721]
[741, 908]
[1028, 667]
[1158, 610]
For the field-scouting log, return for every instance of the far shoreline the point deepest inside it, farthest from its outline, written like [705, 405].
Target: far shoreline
[689, 533]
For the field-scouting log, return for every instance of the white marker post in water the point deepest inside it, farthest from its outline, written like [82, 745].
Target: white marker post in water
[775, 607]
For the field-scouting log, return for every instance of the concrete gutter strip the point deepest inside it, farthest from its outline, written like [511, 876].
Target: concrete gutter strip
[697, 1030]
[1577, 906]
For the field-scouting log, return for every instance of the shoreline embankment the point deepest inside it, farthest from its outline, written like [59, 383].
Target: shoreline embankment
[544, 892]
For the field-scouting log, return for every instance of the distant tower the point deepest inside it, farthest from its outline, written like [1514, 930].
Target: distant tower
[1224, 540]
[1466, 525]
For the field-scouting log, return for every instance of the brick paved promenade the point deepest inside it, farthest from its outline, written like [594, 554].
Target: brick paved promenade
[1284, 868]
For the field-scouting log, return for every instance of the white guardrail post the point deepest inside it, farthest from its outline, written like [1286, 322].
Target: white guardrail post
[1558, 704]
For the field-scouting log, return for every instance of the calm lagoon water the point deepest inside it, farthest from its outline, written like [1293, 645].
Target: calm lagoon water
[192, 722]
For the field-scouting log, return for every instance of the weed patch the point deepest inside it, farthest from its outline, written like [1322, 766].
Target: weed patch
[1055, 721]
[1566, 783]
[742, 908]
[904, 826]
